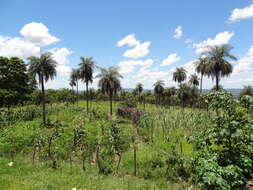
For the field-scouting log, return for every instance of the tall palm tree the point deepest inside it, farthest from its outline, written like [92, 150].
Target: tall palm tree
[72, 84]
[202, 67]
[75, 75]
[139, 89]
[87, 67]
[194, 80]
[179, 75]
[44, 67]
[109, 82]
[159, 89]
[219, 65]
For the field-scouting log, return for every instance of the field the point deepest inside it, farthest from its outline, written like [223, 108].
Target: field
[169, 132]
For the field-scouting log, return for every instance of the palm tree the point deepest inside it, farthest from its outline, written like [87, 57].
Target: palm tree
[109, 82]
[184, 94]
[168, 93]
[159, 89]
[219, 65]
[179, 75]
[202, 68]
[72, 84]
[139, 89]
[44, 67]
[87, 67]
[194, 80]
[75, 75]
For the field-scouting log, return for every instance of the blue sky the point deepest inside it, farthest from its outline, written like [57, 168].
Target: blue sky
[137, 36]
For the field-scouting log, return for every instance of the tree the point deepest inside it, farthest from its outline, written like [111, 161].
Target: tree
[194, 80]
[75, 75]
[87, 67]
[169, 93]
[44, 67]
[219, 65]
[159, 89]
[15, 83]
[109, 82]
[202, 67]
[179, 75]
[184, 94]
[139, 89]
[247, 90]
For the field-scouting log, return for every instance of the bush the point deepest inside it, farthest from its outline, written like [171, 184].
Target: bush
[130, 113]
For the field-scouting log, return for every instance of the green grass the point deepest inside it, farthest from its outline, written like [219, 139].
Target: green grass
[171, 127]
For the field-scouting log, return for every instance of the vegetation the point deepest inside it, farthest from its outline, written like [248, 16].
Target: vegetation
[180, 138]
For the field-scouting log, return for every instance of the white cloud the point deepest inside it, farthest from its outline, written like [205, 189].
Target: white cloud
[138, 51]
[178, 32]
[220, 39]
[129, 40]
[172, 58]
[148, 77]
[243, 13]
[60, 55]
[128, 66]
[38, 34]
[17, 47]
[244, 64]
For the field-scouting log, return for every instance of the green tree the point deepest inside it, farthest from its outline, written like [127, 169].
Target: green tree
[179, 75]
[219, 64]
[87, 67]
[44, 67]
[15, 83]
[202, 67]
[75, 75]
[184, 94]
[159, 89]
[139, 89]
[109, 82]
[194, 80]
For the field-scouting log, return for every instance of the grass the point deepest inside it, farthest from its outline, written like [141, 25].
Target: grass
[170, 126]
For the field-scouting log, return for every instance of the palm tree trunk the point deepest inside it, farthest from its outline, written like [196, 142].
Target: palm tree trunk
[110, 103]
[201, 79]
[43, 101]
[87, 100]
[77, 91]
[217, 82]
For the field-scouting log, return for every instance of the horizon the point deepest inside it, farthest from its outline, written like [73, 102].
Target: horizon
[123, 35]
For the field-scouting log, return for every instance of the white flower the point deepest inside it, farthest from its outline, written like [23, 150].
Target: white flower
[73, 188]
[10, 164]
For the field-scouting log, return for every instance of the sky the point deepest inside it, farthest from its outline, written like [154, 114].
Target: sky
[145, 39]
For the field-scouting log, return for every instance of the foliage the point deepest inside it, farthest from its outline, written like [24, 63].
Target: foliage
[225, 151]
[15, 83]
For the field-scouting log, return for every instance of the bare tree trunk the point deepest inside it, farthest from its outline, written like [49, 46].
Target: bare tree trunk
[87, 101]
[217, 81]
[135, 162]
[201, 80]
[120, 156]
[77, 91]
[43, 101]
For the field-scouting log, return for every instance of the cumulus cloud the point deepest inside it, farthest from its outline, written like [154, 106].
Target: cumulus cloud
[60, 55]
[172, 58]
[243, 13]
[128, 66]
[244, 64]
[17, 47]
[129, 40]
[38, 34]
[220, 39]
[139, 49]
[178, 32]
